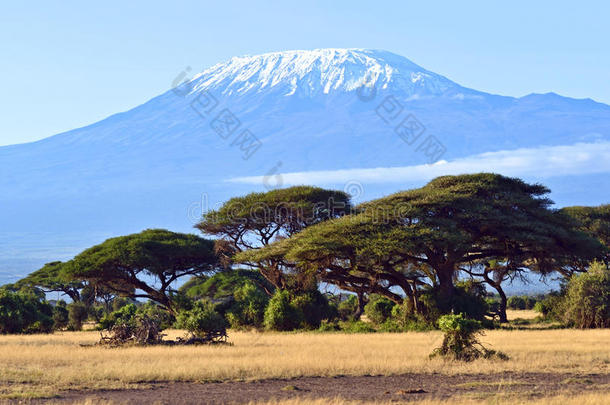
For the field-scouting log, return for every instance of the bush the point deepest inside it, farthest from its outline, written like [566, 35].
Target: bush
[327, 326]
[313, 306]
[203, 322]
[356, 327]
[281, 314]
[587, 299]
[123, 315]
[390, 325]
[460, 340]
[348, 308]
[516, 302]
[469, 298]
[378, 309]
[550, 307]
[60, 315]
[22, 312]
[248, 308]
[77, 314]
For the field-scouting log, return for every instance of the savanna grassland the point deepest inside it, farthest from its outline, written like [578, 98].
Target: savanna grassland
[66, 364]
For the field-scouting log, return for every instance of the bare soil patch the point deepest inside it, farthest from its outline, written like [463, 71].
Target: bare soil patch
[400, 388]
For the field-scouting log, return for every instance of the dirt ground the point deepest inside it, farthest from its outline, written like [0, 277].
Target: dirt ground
[403, 388]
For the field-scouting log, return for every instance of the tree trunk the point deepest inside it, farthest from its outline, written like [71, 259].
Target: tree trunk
[361, 304]
[445, 284]
[503, 303]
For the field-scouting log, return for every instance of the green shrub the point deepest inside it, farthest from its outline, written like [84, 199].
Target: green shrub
[516, 302]
[202, 321]
[60, 315]
[469, 298]
[329, 326]
[356, 327]
[125, 314]
[248, 308]
[23, 312]
[390, 325]
[348, 308]
[378, 309]
[530, 302]
[77, 314]
[224, 284]
[586, 303]
[460, 340]
[550, 307]
[281, 314]
[313, 306]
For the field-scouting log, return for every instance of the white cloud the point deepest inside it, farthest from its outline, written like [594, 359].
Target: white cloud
[541, 162]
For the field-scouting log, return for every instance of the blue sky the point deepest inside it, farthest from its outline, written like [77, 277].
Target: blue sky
[69, 64]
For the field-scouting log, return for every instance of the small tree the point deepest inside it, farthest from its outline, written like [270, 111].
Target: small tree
[203, 322]
[60, 315]
[21, 312]
[281, 314]
[460, 341]
[77, 314]
[379, 309]
[587, 300]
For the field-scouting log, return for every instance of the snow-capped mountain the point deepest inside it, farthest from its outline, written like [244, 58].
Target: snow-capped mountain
[233, 127]
[322, 71]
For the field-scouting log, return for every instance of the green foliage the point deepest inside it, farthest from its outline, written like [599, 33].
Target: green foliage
[248, 307]
[516, 302]
[460, 340]
[293, 310]
[329, 326]
[257, 219]
[241, 295]
[595, 221]
[52, 278]
[356, 327]
[77, 314]
[123, 315]
[127, 264]
[60, 315]
[281, 314]
[21, 312]
[378, 309]
[521, 302]
[470, 299]
[314, 307]
[348, 307]
[587, 299]
[120, 302]
[137, 325]
[202, 321]
[550, 307]
[224, 284]
[482, 216]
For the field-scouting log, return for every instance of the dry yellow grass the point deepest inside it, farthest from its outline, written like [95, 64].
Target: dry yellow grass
[45, 364]
[586, 399]
[512, 314]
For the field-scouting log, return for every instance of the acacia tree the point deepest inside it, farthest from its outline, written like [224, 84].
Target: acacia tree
[51, 279]
[146, 264]
[595, 221]
[435, 231]
[351, 252]
[257, 219]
